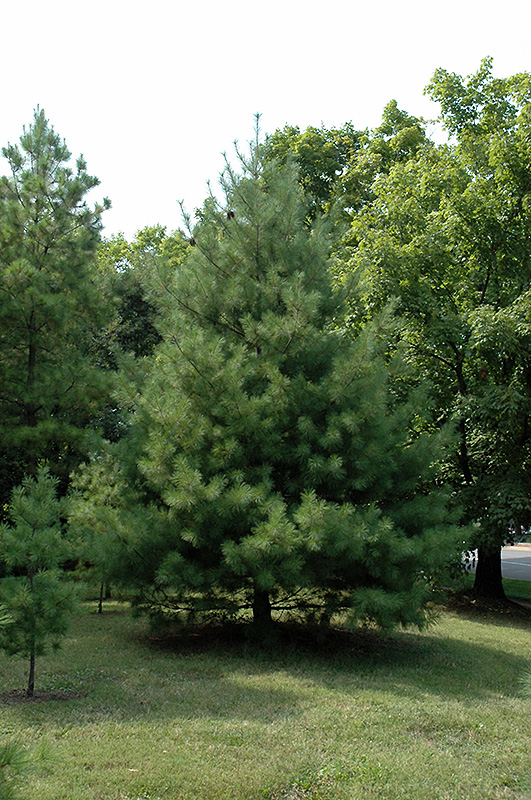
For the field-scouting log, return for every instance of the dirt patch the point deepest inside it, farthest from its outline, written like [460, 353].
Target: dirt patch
[19, 696]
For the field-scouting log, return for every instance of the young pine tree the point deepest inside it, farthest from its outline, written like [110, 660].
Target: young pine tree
[278, 466]
[49, 306]
[35, 594]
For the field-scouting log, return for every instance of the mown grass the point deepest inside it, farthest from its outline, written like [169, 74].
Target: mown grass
[515, 590]
[437, 715]
[519, 590]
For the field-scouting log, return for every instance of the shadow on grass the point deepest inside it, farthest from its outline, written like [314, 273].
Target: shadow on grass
[222, 673]
[501, 613]
[403, 663]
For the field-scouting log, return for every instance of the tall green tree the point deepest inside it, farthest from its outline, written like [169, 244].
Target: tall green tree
[49, 305]
[274, 461]
[338, 167]
[491, 222]
[398, 138]
[447, 234]
[35, 593]
[322, 155]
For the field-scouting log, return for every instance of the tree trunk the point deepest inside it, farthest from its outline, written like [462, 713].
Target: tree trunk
[30, 410]
[488, 582]
[31, 678]
[100, 602]
[261, 610]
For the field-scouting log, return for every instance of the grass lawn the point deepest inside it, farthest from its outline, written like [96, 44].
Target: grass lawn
[436, 715]
[515, 590]
[519, 590]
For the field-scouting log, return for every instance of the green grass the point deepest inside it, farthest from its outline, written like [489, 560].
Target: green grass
[516, 590]
[437, 715]
[519, 590]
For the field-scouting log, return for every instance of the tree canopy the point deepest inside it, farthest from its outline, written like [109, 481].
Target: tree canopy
[276, 461]
[447, 235]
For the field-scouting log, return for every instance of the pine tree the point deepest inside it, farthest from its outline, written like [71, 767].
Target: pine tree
[277, 464]
[35, 594]
[49, 305]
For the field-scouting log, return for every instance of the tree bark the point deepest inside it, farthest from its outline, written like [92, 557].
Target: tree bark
[31, 677]
[261, 610]
[31, 414]
[488, 582]
[463, 391]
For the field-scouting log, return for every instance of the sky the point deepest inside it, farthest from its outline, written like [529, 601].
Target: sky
[153, 93]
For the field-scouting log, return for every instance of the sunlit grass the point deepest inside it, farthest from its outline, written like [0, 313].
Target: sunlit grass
[437, 715]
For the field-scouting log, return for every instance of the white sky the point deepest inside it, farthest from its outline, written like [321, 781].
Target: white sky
[151, 93]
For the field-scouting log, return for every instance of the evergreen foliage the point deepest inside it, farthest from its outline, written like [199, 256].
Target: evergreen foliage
[102, 517]
[16, 762]
[35, 593]
[49, 306]
[276, 462]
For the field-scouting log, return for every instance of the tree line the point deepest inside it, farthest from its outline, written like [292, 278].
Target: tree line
[308, 402]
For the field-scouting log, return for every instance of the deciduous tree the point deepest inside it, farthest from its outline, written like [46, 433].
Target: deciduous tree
[448, 235]
[322, 156]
